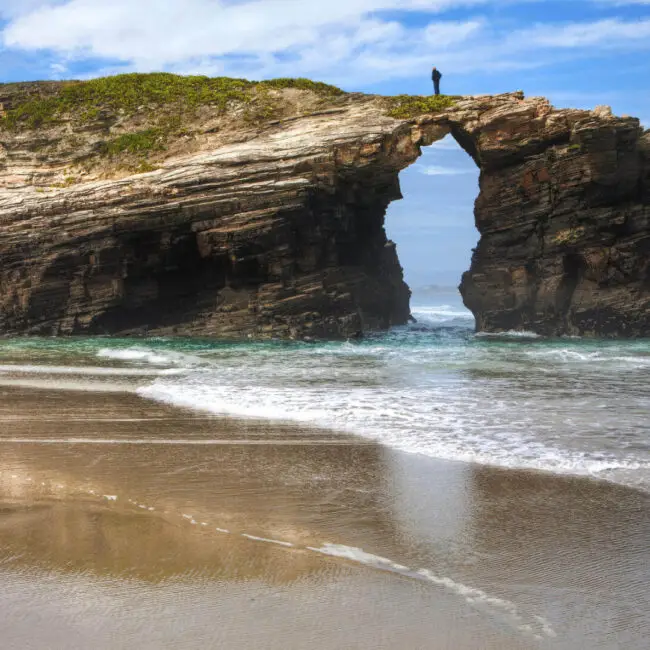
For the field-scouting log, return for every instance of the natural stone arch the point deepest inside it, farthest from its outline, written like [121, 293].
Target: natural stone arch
[277, 230]
[563, 215]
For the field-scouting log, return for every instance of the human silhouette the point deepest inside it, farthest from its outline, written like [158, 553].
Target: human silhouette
[436, 75]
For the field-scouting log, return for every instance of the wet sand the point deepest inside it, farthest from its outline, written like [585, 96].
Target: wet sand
[124, 524]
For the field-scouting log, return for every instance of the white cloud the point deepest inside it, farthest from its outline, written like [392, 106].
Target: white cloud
[603, 33]
[442, 34]
[258, 37]
[158, 33]
[58, 69]
[440, 170]
[345, 41]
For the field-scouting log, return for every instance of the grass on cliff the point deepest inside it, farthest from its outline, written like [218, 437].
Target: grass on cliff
[130, 93]
[139, 115]
[137, 143]
[409, 106]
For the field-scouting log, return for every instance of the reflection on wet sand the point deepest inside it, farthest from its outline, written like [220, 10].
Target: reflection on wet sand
[298, 488]
[89, 539]
[112, 496]
[585, 542]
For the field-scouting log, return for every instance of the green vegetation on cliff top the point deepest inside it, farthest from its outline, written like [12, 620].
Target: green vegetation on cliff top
[408, 106]
[164, 107]
[129, 93]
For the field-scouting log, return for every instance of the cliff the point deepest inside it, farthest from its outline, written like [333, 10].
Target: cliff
[165, 205]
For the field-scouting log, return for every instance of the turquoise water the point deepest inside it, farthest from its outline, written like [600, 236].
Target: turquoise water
[434, 388]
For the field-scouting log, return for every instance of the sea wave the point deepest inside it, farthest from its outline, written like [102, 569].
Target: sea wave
[570, 407]
[509, 334]
[443, 315]
[449, 311]
[150, 356]
[608, 356]
[429, 422]
[99, 371]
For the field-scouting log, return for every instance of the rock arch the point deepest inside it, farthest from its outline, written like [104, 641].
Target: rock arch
[563, 214]
[277, 231]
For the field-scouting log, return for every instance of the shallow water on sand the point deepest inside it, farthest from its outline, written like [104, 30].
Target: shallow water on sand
[238, 534]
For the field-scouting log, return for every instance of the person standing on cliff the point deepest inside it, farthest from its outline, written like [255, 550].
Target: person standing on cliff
[436, 75]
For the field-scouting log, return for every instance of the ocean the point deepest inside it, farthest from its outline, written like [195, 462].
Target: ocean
[434, 388]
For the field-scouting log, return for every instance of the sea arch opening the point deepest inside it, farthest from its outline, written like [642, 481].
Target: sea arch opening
[433, 228]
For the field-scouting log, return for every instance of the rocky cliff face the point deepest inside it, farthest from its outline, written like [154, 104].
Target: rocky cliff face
[273, 227]
[564, 217]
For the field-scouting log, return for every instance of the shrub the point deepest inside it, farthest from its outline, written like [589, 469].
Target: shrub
[140, 142]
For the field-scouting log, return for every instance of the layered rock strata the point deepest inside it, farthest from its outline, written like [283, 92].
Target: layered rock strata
[277, 230]
[564, 217]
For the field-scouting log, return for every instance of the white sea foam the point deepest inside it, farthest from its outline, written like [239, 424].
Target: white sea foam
[222, 401]
[535, 624]
[134, 354]
[509, 334]
[358, 555]
[150, 356]
[99, 371]
[607, 356]
[565, 354]
[442, 314]
[176, 442]
[74, 386]
[267, 540]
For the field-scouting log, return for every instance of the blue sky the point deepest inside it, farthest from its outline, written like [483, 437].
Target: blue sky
[579, 53]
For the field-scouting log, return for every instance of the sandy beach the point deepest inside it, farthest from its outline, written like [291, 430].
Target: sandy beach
[125, 523]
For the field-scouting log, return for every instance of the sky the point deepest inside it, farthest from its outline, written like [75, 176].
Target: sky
[579, 53]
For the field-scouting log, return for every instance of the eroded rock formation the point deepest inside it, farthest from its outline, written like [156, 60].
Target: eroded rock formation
[276, 229]
[564, 217]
